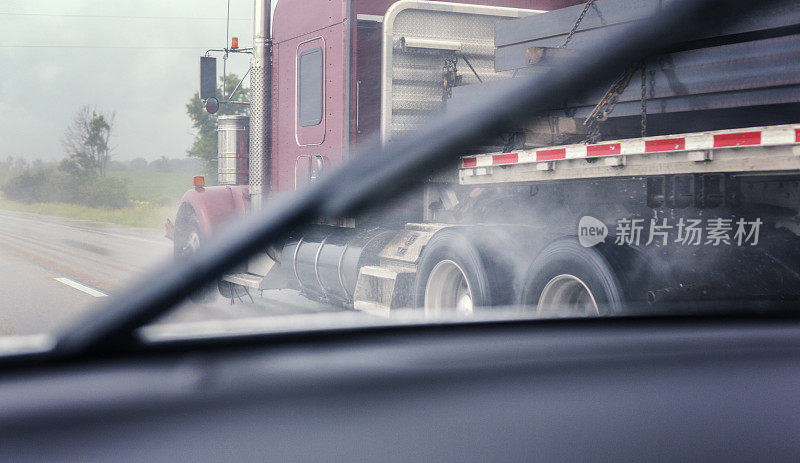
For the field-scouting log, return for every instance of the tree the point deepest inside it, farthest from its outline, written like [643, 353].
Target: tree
[138, 164]
[11, 167]
[86, 142]
[160, 165]
[204, 146]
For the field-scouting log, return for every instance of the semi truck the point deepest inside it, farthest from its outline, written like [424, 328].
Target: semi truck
[678, 181]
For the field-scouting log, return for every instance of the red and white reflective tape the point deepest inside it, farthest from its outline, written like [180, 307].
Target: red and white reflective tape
[757, 136]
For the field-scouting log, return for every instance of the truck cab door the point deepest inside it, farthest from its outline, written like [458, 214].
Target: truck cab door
[311, 74]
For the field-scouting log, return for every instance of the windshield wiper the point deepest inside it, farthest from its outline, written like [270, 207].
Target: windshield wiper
[370, 179]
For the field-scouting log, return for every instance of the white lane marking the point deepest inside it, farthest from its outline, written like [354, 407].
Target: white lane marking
[80, 287]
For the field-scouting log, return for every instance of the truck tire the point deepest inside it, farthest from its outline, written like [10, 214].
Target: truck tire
[569, 280]
[187, 240]
[451, 276]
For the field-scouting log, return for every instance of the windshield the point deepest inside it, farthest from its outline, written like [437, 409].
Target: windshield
[147, 141]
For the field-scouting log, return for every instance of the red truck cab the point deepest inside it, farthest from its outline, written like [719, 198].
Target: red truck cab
[326, 96]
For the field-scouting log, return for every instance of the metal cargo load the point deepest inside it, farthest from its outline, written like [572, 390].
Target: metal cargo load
[743, 74]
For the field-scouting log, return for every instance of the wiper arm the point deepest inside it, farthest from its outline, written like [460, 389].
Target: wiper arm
[370, 179]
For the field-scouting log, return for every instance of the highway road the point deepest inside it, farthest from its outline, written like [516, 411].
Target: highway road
[54, 269]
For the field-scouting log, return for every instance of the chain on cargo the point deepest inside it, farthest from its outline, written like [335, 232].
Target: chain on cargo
[578, 23]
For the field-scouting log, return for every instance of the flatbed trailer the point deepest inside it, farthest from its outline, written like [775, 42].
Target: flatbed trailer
[728, 177]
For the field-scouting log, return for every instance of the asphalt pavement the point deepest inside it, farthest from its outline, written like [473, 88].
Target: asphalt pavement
[54, 269]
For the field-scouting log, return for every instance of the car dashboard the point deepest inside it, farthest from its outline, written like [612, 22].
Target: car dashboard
[604, 389]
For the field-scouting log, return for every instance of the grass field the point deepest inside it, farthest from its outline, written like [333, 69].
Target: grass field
[138, 215]
[154, 198]
[155, 188]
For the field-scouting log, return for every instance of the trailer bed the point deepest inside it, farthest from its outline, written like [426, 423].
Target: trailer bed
[770, 149]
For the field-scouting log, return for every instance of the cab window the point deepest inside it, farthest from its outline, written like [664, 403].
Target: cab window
[309, 99]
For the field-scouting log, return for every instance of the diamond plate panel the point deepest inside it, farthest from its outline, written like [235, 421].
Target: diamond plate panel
[416, 75]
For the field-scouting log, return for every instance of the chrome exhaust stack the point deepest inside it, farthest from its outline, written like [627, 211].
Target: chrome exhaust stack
[260, 104]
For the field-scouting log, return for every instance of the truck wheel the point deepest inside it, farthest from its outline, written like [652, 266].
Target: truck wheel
[187, 241]
[569, 280]
[451, 277]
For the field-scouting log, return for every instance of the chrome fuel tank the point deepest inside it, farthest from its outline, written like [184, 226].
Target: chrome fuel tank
[325, 261]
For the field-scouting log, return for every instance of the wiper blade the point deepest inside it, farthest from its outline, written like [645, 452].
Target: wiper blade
[371, 178]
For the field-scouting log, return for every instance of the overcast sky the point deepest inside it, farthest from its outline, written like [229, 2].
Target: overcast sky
[147, 73]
